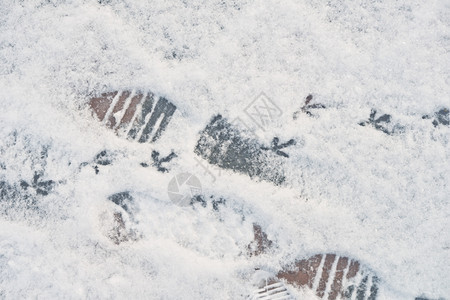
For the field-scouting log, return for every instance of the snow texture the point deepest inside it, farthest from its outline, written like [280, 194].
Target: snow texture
[378, 196]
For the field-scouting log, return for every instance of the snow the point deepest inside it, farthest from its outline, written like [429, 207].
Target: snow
[353, 190]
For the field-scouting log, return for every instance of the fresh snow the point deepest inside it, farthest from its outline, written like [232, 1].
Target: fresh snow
[352, 190]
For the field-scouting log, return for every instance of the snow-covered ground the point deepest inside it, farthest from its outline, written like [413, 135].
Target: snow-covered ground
[350, 189]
